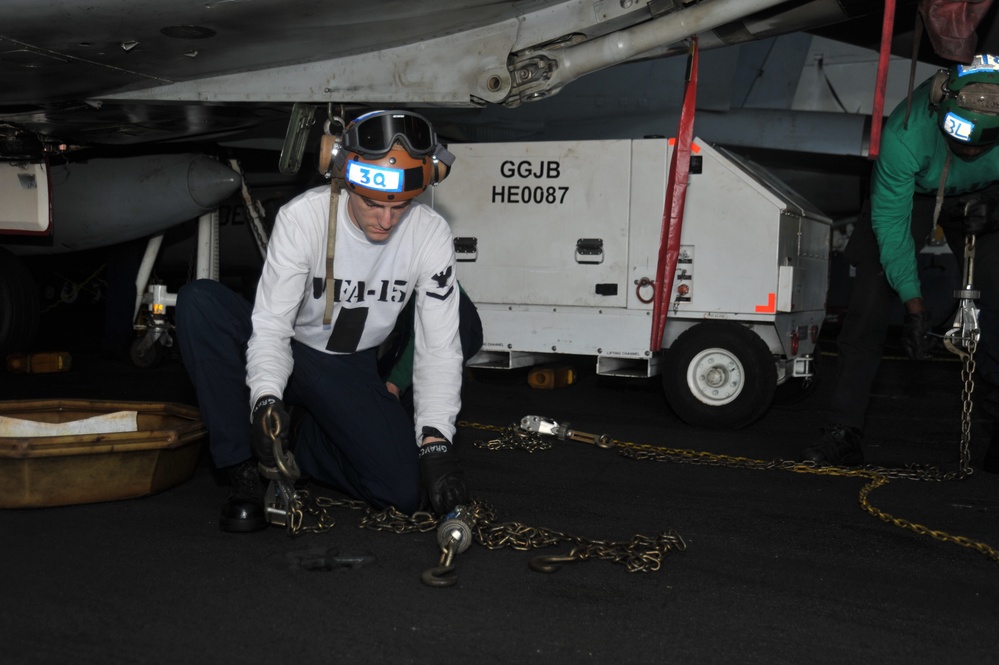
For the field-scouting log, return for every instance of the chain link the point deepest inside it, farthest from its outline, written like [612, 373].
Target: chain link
[511, 437]
[317, 508]
[968, 387]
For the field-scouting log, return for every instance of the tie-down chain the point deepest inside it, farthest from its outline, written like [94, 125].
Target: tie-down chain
[530, 435]
[287, 505]
[962, 340]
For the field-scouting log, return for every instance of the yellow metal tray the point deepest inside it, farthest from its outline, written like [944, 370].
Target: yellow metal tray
[44, 471]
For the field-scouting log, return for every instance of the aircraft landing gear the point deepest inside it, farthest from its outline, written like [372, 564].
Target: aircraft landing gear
[148, 350]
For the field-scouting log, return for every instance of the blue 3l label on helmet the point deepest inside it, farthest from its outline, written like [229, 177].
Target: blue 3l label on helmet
[374, 177]
[957, 127]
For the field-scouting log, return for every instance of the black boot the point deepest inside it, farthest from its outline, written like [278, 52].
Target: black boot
[838, 445]
[243, 510]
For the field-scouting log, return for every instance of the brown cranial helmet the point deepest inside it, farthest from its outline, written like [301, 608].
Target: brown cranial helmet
[390, 156]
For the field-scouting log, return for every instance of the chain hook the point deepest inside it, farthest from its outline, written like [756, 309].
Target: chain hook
[454, 535]
[550, 563]
[441, 575]
[284, 459]
[282, 505]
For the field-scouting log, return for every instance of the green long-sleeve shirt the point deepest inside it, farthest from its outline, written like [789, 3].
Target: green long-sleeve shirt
[401, 374]
[910, 162]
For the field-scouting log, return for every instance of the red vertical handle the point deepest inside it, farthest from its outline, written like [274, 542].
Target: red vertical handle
[676, 194]
[877, 115]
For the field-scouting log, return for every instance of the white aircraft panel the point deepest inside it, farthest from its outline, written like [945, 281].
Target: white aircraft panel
[24, 190]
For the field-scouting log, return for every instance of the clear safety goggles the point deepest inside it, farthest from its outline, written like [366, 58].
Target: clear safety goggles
[373, 134]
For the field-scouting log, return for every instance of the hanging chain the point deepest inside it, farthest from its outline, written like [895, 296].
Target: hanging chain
[968, 387]
[962, 340]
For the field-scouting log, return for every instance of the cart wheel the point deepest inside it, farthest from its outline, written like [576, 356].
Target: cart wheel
[147, 359]
[719, 375]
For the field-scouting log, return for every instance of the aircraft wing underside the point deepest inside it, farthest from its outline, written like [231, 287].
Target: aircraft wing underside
[112, 73]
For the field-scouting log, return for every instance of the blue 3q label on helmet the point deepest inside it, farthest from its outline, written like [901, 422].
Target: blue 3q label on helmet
[374, 177]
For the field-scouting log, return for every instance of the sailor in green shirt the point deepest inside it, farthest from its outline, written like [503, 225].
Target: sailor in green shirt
[936, 166]
[396, 356]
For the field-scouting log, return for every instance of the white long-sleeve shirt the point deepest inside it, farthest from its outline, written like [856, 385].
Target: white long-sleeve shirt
[373, 282]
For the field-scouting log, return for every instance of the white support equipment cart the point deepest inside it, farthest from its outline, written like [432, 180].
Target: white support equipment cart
[557, 244]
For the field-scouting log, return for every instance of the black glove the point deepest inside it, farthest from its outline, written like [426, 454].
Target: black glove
[441, 473]
[915, 341]
[980, 214]
[260, 439]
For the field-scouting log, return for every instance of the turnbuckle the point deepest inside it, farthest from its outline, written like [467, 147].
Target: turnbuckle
[282, 506]
[454, 536]
[441, 575]
[281, 503]
[963, 335]
[549, 427]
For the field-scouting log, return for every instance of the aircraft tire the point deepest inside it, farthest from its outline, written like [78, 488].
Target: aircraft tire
[19, 305]
[720, 376]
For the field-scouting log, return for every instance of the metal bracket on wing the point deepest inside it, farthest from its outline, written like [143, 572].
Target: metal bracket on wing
[542, 71]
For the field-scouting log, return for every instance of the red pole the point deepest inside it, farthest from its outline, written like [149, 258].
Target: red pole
[676, 193]
[877, 115]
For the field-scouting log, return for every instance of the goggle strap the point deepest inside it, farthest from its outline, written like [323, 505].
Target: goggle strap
[443, 155]
[339, 160]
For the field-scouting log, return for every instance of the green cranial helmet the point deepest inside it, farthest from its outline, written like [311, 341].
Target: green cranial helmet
[967, 98]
